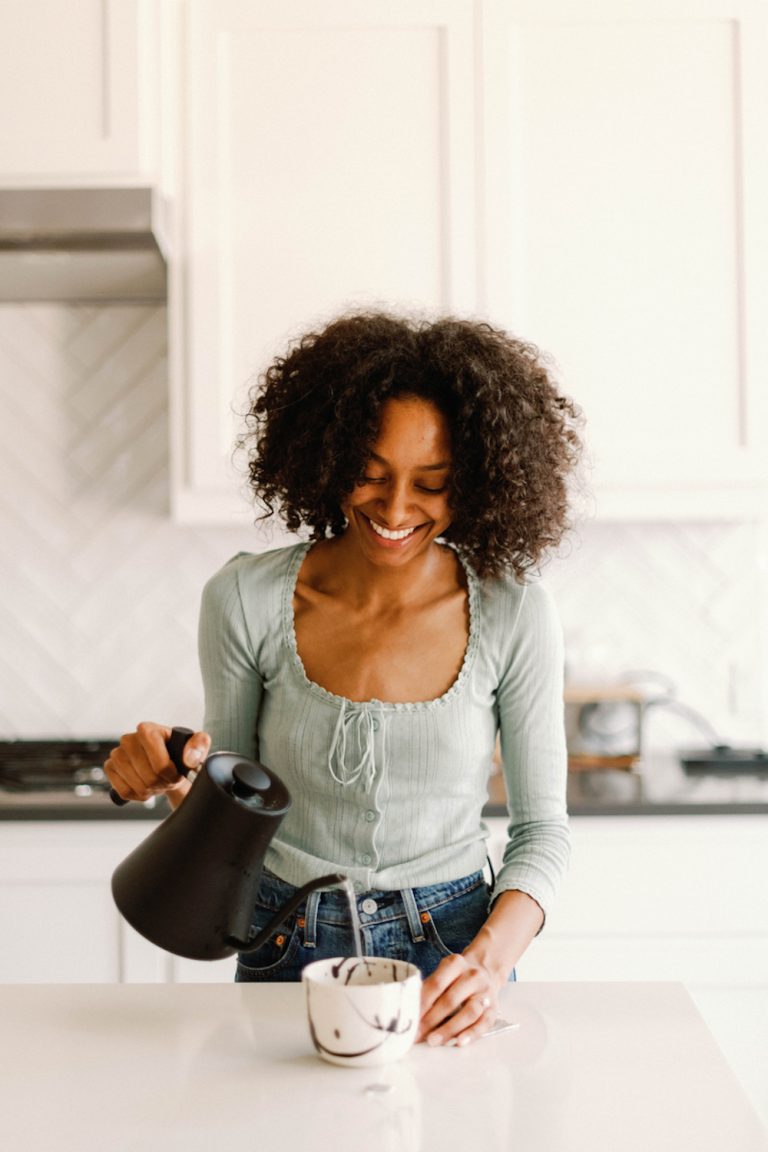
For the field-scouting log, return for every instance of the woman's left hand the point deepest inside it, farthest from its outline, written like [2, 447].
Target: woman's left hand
[459, 1002]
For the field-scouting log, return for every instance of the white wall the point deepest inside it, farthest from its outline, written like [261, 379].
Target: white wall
[100, 591]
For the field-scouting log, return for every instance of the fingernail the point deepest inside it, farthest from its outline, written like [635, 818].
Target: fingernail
[462, 1041]
[196, 756]
[434, 1040]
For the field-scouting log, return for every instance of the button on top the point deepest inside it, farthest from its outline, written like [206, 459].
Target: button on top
[368, 905]
[365, 859]
[375, 724]
[370, 816]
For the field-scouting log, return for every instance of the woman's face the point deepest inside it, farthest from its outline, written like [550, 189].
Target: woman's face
[401, 505]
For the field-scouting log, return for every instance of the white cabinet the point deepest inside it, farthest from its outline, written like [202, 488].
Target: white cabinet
[626, 174]
[590, 176]
[329, 153]
[60, 924]
[78, 89]
[658, 898]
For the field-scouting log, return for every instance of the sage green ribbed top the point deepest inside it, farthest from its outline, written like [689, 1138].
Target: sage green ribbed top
[392, 794]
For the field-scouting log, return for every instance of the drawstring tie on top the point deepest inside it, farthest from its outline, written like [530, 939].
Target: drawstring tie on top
[352, 753]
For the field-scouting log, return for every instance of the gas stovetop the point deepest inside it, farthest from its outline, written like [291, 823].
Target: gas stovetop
[59, 775]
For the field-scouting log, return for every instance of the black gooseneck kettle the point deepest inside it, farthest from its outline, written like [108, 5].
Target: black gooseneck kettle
[190, 887]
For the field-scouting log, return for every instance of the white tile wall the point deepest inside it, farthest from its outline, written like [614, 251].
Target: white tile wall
[98, 611]
[100, 591]
[683, 601]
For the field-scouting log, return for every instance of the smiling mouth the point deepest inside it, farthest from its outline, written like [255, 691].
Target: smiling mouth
[390, 534]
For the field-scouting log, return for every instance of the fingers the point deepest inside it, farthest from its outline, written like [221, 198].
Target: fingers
[196, 750]
[140, 766]
[459, 1003]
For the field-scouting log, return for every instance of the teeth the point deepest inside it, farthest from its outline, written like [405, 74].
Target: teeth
[388, 535]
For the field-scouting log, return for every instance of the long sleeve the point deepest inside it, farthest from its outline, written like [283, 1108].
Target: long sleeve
[231, 680]
[533, 751]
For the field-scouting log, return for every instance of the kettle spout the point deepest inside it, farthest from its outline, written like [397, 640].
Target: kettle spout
[246, 947]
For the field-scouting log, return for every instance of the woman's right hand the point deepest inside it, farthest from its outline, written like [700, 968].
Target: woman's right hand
[140, 766]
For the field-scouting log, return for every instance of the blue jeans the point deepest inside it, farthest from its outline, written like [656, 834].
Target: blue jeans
[420, 925]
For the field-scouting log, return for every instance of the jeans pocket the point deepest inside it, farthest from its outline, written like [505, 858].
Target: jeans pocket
[453, 925]
[275, 955]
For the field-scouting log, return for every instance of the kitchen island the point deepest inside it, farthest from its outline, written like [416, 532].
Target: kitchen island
[196, 1067]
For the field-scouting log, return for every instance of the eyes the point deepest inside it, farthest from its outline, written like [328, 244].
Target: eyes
[421, 487]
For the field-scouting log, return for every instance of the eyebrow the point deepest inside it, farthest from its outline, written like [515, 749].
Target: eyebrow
[441, 466]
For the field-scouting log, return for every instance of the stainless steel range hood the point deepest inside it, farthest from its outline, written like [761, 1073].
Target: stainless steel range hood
[81, 245]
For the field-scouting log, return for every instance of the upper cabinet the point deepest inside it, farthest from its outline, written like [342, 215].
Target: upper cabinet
[329, 161]
[625, 231]
[78, 88]
[590, 176]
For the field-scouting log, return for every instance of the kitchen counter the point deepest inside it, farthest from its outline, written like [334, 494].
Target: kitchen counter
[194, 1067]
[657, 786]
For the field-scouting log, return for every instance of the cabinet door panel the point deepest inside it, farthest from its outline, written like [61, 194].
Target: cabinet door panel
[203, 971]
[77, 78]
[58, 934]
[660, 876]
[330, 165]
[702, 961]
[622, 166]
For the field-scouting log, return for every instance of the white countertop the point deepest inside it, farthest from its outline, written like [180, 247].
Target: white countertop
[195, 1068]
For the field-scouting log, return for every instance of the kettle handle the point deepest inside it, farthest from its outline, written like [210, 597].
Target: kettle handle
[175, 744]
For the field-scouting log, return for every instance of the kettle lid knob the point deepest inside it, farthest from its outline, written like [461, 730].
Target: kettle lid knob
[249, 782]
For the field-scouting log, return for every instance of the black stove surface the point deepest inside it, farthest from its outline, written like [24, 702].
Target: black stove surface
[44, 765]
[62, 779]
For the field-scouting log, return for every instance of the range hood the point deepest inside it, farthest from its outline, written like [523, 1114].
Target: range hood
[85, 245]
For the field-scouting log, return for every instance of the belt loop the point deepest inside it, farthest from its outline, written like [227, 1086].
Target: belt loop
[412, 912]
[310, 919]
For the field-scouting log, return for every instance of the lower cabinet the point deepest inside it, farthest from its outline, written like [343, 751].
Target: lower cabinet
[60, 924]
[667, 898]
[657, 898]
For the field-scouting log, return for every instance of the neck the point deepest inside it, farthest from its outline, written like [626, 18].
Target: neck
[369, 585]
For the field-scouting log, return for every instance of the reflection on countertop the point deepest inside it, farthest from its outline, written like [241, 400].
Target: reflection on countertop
[657, 786]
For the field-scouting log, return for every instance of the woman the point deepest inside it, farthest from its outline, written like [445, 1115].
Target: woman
[373, 666]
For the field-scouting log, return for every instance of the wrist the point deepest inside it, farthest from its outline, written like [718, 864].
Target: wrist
[481, 951]
[512, 924]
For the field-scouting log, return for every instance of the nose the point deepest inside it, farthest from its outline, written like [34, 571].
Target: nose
[395, 504]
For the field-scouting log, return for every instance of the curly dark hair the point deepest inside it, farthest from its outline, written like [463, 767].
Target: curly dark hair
[314, 419]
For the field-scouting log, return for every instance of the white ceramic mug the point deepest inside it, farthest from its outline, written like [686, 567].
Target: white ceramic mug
[363, 1011]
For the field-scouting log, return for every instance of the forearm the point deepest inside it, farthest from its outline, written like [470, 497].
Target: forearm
[512, 924]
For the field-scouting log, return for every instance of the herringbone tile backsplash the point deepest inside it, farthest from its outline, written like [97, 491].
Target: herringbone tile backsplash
[100, 590]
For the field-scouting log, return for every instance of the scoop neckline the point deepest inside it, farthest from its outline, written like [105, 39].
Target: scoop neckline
[289, 639]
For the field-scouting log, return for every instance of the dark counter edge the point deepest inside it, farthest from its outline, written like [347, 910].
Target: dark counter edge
[641, 809]
[133, 813]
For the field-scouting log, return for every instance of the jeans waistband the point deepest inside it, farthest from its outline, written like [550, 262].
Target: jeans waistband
[330, 905]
